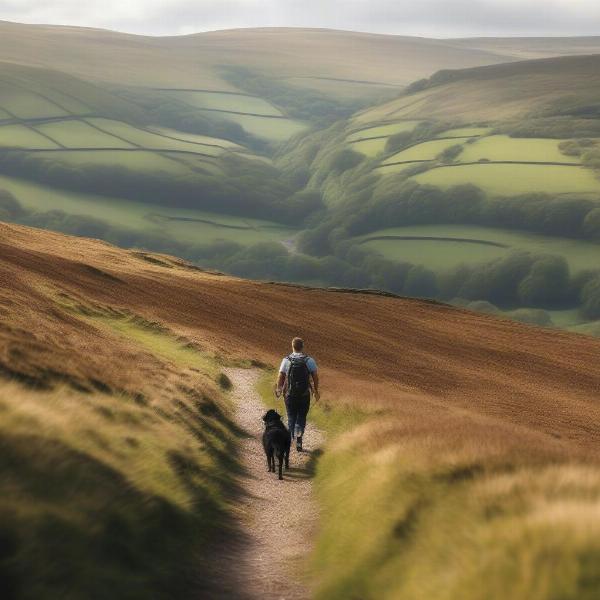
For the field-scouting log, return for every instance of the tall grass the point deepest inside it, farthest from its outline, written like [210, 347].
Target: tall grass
[411, 512]
[117, 494]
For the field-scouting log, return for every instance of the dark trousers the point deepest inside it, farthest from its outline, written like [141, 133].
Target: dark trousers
[297, 409]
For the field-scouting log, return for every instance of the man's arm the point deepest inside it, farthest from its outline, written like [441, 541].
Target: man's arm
[280, 384]
[315, 378]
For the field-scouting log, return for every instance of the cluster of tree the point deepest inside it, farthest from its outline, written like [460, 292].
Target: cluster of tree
[394, 203]
[426, 130]
[519, 279]
[307, 105]
[246, 187]
[558, 127]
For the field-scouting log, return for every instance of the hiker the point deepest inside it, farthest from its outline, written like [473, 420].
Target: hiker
[294, 381]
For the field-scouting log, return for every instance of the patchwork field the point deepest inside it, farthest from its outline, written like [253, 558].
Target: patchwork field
[275, 129]
[78, 134]
[421, 152]
[20, 136]
[382, 130]
[442, 247]
[224, 102]
[514, 179]
[372, 140]
[505, 148]
[191, 226]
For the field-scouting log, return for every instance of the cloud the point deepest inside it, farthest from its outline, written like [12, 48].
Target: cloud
[436, 18]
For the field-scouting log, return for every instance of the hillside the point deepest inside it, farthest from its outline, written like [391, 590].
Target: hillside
[326, 59]
[431, 402]
[298, 155]
[485, 180]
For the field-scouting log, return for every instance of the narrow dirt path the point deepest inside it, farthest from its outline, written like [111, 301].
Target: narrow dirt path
[278, 518]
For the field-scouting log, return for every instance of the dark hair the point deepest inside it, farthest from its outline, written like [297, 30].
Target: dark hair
[297, 344]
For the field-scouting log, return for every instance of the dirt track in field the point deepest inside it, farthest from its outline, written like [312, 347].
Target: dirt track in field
[277, 518]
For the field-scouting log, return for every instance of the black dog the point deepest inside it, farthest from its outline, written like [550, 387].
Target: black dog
[276, 441]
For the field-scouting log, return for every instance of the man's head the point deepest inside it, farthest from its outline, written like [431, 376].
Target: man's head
[297, 344]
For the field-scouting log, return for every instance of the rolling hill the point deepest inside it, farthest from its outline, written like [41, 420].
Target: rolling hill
[119, 449]
[243, 150]
[467, 175]
[334, 61]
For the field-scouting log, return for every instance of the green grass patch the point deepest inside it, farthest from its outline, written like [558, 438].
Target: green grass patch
[78, 134]
[226, 102]
[154, 141]
[592, 328]
[269, 128]
[503, 147]
[139, 160]
[465, 132]
[187, 225]
[509, 180]
[397, 168]
[195, 138]
[383, 130]
[566, 318]
[442, 254]
[162, 343]
[27, 105]
[19, 136]
[400, 521]
[114, 494]
[369, 148]
[424, 151]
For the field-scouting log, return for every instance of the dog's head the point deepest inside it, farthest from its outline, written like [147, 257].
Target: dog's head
[271, 417]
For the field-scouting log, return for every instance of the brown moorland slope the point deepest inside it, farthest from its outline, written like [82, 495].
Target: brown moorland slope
[538, 378]
[313, 56]
[511, 90]
[462, 456]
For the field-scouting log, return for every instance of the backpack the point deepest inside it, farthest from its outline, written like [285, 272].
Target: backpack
[298, 377]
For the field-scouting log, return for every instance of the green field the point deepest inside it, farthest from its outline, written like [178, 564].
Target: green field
[465, 132]
[194, 138]
[78, 134]
[508, 180]
[20, 136]
[425, 151]
[370, 148]
[207, 227]
[442, 254]
[383, 130]
[226, 102]
[271, 128]
[136, 160]
[26, 105]
[397, 168]
[503, 147]
[155, 141]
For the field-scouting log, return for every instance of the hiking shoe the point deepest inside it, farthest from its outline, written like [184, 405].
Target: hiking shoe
[299, 443]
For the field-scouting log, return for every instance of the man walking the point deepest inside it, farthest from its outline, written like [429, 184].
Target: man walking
[295, 374]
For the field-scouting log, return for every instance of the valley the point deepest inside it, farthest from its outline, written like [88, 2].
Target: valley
[319, 177]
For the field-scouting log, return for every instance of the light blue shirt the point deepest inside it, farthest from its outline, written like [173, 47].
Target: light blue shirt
[286, 363]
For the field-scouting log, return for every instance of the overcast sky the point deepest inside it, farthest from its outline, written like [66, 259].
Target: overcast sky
[433, 18]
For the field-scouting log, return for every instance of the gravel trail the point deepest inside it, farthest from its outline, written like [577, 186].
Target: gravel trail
[278, 518]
